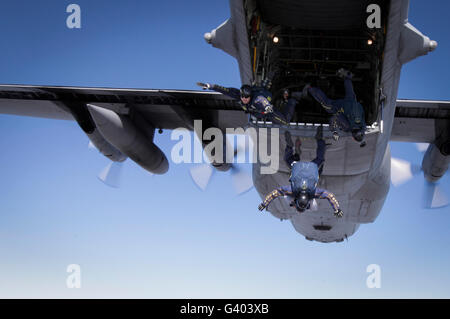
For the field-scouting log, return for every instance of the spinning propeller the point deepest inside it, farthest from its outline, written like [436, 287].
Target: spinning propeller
[111, 175]
[402, 171]
[241, 180]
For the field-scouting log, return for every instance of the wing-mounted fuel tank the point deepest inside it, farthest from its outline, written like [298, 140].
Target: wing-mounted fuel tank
[133, 136]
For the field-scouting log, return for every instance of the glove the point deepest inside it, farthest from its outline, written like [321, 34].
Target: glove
[339, 213]
[268, 109]
[261, 207]
[335, 136]
[204, 86]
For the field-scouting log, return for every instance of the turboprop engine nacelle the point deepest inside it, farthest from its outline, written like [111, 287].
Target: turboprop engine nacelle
[81, 114]
[436, 161]
[122, 133]
[105, 147]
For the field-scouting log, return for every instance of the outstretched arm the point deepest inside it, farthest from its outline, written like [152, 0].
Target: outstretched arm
[282, 191]
[324, 194]
[231, 92]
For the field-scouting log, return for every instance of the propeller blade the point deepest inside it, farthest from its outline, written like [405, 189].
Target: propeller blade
[242, 181]
[111, 174]
[201, 175]
[236, 145]
[91, 146]
[434, 197]
[422, 147]
[401, 171]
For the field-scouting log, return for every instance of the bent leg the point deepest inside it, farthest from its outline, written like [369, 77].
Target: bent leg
[289, 109]
[289, 155]
[320, 155]
[321, 97]
[349, 92]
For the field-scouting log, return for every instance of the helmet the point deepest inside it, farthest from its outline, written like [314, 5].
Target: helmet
[358, 135]
[246, 90]
[302, 201]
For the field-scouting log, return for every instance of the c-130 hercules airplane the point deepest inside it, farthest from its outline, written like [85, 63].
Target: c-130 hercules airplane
[298, 42]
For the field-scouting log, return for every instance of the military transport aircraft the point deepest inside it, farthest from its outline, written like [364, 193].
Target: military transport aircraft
[298, 42]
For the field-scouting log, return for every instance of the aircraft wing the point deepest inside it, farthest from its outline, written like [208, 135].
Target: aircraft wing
[418, 121]
[165, 109]
[421, 121]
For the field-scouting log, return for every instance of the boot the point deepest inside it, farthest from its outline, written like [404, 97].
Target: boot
[343, 73]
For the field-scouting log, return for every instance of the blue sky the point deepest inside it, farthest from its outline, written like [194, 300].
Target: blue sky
[159, 236]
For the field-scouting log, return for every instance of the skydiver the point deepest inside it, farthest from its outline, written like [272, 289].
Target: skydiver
[348, 113]
[254, 100]
[304, 179]
[287, 103]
